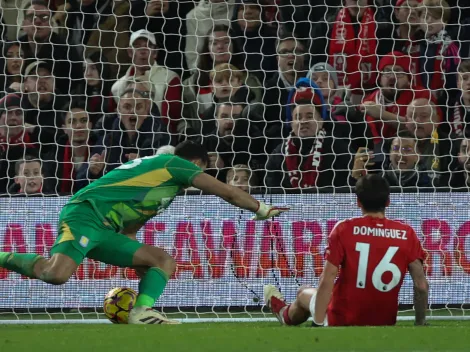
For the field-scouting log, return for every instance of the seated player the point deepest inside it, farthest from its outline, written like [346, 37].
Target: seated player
[374, 254]
[101, 221]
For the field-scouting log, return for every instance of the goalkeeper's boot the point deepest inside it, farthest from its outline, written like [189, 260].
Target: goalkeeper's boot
[275, 301]
[146, 315]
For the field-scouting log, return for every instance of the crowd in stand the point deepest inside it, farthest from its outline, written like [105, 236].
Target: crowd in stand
[284, 94]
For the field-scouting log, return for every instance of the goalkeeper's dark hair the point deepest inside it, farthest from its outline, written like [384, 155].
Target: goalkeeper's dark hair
[190, 150]
[373, 192]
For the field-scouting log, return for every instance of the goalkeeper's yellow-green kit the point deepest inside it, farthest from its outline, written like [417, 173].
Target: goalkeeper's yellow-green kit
[92, 222]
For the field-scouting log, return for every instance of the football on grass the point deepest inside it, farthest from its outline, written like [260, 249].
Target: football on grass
[118, 304]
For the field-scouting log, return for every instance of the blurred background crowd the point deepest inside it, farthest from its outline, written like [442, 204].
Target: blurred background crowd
[284, 94]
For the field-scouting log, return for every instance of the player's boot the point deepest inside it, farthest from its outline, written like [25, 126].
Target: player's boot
[275, 301]
[146, 315]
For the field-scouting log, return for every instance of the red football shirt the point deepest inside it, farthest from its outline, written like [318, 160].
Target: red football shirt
[374, 255]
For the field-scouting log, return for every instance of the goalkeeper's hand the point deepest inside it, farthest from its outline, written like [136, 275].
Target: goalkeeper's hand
[267, 211]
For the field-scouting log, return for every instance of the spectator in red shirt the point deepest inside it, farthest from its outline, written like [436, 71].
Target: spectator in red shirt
[67, 165]
[15, 140]
[166, 83]
[386, 106]
[354, 45]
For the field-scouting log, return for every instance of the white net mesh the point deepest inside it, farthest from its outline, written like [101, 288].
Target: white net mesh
[294, 100]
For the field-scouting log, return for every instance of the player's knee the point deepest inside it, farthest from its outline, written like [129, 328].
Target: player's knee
[301, 290]
[54, 277]
[164, 261]
[168, 265]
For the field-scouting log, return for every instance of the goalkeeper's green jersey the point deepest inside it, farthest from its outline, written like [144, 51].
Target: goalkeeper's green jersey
[135, 192]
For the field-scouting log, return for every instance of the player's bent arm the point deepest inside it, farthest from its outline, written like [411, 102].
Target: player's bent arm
[325, 289]
[421, 290]
[235, 196]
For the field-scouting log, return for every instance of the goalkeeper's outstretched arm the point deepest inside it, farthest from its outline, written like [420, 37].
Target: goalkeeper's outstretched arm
[235, 196]
[421, 289]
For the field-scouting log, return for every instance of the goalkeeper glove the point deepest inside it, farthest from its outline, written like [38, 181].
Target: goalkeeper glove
[265, 211]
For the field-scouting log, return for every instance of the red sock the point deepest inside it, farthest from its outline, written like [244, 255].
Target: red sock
[285, 316]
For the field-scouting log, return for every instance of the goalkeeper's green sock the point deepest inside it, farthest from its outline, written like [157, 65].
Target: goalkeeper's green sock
[22, 263]
[151, 287]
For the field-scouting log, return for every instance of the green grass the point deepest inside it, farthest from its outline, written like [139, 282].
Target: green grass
[236, 337]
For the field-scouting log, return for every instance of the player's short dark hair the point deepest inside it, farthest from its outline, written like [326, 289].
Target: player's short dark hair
[373, 191]
[190, 150]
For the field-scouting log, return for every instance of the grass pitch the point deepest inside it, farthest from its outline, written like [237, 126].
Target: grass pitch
[233, 337]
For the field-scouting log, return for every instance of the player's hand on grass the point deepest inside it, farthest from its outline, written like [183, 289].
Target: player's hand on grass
[268, 211]
[362, 160]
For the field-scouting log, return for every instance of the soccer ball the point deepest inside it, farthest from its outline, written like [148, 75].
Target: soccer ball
[118, 303]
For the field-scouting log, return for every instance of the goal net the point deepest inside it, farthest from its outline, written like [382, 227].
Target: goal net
[294, 100]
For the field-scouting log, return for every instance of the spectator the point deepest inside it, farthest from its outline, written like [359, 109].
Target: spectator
[459, 114]
[12, 64]
[326, 78]
[40, 43]
[163, 18]
[218, 49]
[166, 83]
[460, 177]
[404, 168]
[310, 20]
[291, 67]
[407, 33]
[41, 106]
[434, 146]
[67, 166]
[257, 40]
[386, 106]
[15, 140]
[347, 123]
[438, 58]
[354, 44]
[135, 132]
[241, 176]
[97, 86]
[228, 85]
[235, 139]
[310, 156]
[197, 89]
[201, 20]
[110, 33]
[28, 176]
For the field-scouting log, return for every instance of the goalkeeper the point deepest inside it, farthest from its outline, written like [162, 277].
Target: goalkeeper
[101, 221]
